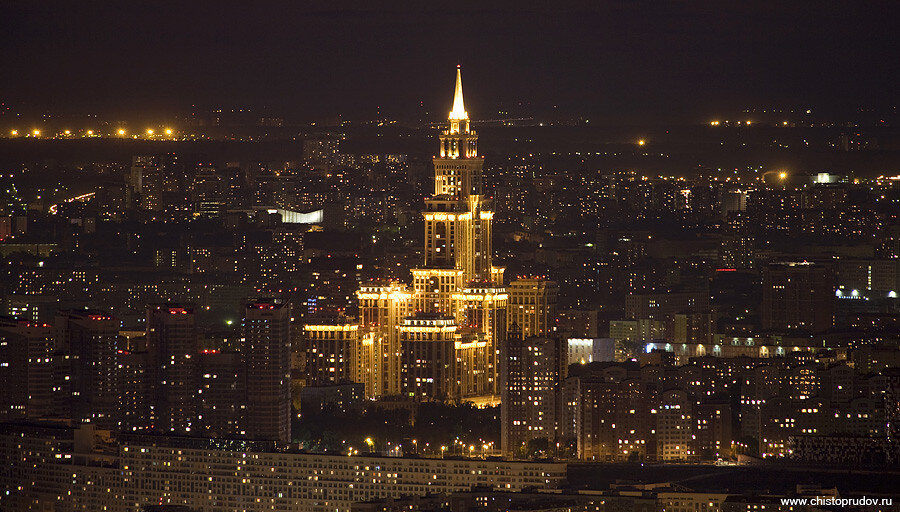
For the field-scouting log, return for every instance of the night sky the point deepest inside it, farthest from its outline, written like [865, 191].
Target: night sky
[620, 62]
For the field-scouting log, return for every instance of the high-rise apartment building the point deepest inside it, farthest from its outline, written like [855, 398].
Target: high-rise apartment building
[267, 358]
[381, 309]
[26, 371]
[798, 296]
[530, 370]
[87, 340]
[172, 346]
[155, 180]
[222, 393]
[532, 306]
[331, 351]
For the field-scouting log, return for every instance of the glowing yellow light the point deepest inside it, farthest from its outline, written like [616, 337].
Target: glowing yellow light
[784, 123]
[459, 108]
[783, 175]
[68, 132]
[641, 142]
[149, 131]
[748, 123]
[90, 132]
[168, 131]
[121, 132]
[15, 132]
[36, 133]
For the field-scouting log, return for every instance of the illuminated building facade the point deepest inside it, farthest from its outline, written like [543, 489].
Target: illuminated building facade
[429, 368]
[331, 352]
[532, 306]
[457, 281]
[88, 469]
[530, 370]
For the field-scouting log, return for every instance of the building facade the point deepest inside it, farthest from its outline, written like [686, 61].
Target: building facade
[267, 355]
[457, 282]
[84, 469]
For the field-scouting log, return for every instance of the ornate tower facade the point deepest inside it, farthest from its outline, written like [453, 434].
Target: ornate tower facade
[458, 216]
[456, 283]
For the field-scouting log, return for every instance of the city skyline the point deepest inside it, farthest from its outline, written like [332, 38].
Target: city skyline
[489, 301]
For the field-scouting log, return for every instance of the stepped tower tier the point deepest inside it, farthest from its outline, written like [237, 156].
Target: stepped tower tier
[458, 217]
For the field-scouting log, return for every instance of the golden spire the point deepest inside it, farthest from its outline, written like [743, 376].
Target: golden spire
[459, 109]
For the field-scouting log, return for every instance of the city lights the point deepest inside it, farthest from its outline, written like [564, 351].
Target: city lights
[309, 284]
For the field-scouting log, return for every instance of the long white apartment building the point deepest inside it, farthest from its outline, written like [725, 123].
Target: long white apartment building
[62, 469]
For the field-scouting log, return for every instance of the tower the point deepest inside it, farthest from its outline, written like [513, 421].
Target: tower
[89, 339]
[172, 346]
[26, 371]
[267, 356]
[457, 286]
[458, 216]
[458, 278]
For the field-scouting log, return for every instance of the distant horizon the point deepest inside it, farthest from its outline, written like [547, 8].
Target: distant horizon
[631, 64]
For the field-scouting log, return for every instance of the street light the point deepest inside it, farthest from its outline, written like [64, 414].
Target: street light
[121, 132]
[443, 449]
[168, 131]
[149, 131]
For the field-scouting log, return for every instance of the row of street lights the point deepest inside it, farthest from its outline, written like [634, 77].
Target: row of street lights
[396, 450]
[121, 132]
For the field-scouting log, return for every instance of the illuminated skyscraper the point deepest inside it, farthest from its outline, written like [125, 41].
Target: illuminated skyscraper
[457, 279]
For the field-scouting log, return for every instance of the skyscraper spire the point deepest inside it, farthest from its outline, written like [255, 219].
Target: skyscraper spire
[459, 109]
